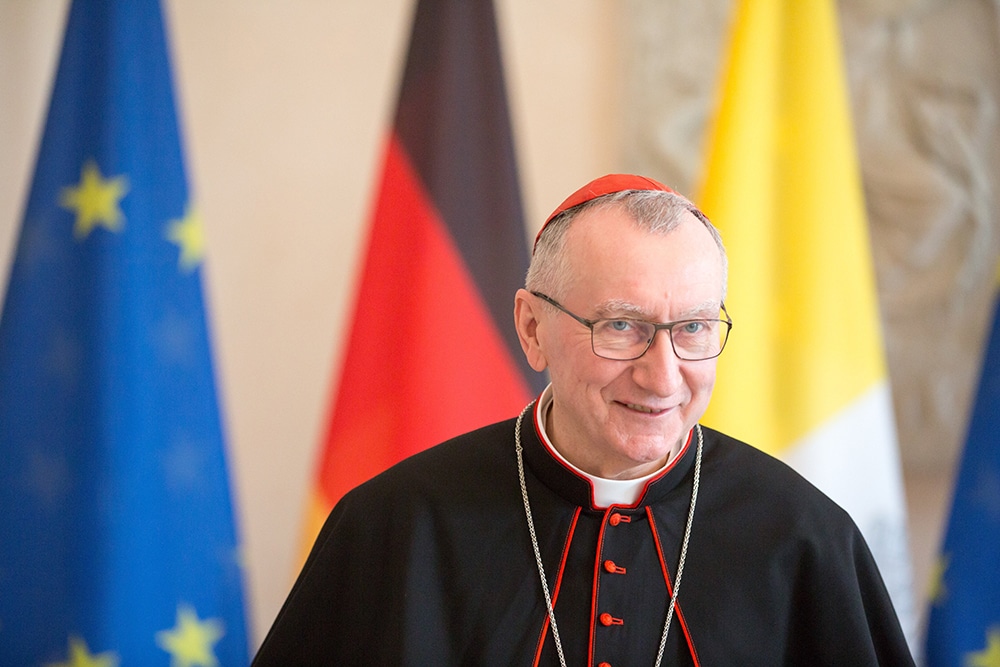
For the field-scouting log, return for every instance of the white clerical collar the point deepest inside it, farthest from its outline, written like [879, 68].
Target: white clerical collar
[606, 492]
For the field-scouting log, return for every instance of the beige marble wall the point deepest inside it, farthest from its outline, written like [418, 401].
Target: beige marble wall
[925, 87]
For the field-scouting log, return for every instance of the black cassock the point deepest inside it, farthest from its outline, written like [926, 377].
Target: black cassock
[431, 563]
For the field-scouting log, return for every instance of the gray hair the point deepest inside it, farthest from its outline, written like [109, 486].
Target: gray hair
[655, 211]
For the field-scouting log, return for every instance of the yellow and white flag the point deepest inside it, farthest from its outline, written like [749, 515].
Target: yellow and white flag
[804, 375]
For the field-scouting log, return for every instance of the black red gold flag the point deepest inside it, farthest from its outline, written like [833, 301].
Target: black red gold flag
[431, 350]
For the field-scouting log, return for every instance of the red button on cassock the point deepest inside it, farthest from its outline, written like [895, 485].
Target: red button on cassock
[617, 518]
[607, 619]
[610, 566]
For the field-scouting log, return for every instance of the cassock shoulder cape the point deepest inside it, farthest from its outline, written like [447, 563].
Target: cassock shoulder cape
[431, 563]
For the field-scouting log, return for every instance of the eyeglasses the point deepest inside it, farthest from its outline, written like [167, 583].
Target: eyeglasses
[626, 339]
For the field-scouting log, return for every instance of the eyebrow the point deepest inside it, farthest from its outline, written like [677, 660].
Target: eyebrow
[620, 308]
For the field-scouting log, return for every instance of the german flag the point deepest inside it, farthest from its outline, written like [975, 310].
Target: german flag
[432, 350]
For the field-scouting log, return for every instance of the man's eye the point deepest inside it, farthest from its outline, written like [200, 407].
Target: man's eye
[619, 325]
[694, 327]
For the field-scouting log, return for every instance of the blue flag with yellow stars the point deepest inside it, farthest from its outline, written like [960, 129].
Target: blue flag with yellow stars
[117, 540]
[963, 628]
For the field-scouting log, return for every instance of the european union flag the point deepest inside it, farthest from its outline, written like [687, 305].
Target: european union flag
[117, 542]
[964, 622]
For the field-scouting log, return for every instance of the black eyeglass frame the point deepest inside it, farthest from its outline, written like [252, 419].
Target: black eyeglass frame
[657, 326]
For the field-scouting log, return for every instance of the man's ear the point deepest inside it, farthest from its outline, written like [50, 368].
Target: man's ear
[526, 320]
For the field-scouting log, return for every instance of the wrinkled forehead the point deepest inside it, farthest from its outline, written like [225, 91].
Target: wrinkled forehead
[607, 245]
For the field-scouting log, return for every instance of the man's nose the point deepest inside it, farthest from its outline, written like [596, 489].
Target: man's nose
[659, 370]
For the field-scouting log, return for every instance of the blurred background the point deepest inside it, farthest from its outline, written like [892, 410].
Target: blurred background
[285, 108]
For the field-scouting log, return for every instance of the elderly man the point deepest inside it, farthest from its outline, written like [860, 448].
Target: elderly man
[603, 525]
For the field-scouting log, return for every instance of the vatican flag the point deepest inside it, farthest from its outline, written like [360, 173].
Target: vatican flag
[804, 375]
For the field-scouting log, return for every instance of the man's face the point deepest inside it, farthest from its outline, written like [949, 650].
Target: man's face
[621, 419]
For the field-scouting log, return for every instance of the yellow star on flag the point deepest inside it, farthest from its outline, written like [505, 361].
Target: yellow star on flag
[989, 656]
[80, 656]
[189, 235]
[937, 591]
[191, 642]
[95, 201]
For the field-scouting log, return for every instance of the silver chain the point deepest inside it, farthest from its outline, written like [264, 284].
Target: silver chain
[538, 555]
